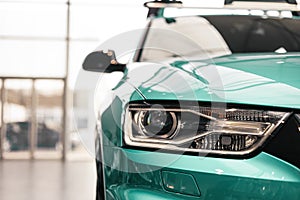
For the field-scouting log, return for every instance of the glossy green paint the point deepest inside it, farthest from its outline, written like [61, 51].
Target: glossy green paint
[112, 117]
[125, 192]
[258, 79]
[261, 79]
[256, 167]
[139, 174]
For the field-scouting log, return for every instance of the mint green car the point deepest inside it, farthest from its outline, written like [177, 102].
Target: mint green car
[209, 108]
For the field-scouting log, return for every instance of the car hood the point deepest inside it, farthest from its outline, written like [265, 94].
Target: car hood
[257, 79]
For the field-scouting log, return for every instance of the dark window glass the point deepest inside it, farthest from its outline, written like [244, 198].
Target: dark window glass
[258, 34]
[201, 37]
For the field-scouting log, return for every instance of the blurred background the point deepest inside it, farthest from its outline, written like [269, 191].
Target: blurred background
[42, 46]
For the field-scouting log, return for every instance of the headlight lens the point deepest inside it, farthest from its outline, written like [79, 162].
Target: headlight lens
[200, 129]
[156, 123]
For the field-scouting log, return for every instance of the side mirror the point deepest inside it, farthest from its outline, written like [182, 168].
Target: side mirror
[99, 61]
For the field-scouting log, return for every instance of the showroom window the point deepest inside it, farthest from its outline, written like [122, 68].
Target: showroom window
[42, 46]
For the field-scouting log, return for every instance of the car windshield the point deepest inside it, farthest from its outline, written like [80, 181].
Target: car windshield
[201, 37]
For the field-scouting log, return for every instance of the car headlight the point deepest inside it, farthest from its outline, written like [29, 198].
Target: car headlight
[156, 123]
[200, 129]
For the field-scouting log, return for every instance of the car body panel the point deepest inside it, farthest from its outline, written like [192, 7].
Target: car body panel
[113, 109]
[133, 193]
[139, 174]
[247, 79]
[136, 174]
[258, 79]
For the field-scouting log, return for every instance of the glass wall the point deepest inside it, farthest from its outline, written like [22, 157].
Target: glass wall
[49, 115]
[17, 117]
[42, 44]
[32, 39]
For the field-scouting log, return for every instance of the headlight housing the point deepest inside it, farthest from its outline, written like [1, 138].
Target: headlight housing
[201, 129]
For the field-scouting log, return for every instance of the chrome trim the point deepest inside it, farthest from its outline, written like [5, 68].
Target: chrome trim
[176, 110]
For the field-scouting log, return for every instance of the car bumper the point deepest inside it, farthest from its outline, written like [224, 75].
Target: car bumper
[136, 174]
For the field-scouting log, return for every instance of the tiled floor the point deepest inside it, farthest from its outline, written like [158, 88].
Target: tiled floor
[47, 180]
